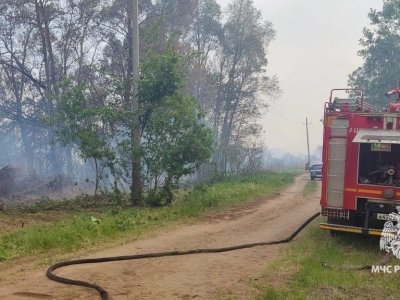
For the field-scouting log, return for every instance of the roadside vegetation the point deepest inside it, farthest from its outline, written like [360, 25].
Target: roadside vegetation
[299, 273]
[71, 225]
[310, 188]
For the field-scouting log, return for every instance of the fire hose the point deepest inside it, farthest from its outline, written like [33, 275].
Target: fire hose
[104, 294]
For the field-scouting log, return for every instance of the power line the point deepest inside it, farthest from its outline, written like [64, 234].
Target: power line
[284, 115]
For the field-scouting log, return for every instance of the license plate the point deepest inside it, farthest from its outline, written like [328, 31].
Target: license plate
[385, 217]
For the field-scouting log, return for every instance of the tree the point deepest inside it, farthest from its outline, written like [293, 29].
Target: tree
[241, 77]
[175, 142]
[380, 51]
[41, 43]
[176, 15]
[79, 123]
[205, 35]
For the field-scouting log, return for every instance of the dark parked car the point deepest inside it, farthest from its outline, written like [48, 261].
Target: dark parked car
[315, 170]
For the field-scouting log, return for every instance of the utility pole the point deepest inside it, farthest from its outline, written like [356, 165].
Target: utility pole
[133, 69]
[308, 143]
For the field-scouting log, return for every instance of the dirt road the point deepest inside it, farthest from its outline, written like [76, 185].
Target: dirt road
[203, 276]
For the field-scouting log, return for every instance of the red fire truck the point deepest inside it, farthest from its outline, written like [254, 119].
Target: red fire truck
[361, 163]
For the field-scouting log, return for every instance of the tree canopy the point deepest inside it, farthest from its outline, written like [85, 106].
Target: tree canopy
[381, 52]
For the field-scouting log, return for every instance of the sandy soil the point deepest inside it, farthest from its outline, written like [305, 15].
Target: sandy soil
[203, 276]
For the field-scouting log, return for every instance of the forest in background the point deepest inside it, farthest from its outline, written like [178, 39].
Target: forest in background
[65, 89]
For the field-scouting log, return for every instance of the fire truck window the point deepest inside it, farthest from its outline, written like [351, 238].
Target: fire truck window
[379, 164]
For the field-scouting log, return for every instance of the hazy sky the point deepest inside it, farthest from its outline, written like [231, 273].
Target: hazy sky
[314, 51]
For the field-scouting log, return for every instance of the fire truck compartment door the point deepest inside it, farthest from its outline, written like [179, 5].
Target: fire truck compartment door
[376, 136]
[336, 163]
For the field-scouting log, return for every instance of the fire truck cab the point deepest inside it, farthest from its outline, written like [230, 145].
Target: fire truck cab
[361, 164]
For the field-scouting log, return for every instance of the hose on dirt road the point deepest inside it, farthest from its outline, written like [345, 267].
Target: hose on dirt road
[104, 294]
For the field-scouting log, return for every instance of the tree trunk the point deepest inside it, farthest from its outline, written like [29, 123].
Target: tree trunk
[97, 177]
[42, 20]
[70, 166]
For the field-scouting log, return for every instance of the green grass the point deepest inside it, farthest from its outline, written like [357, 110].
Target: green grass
[84, 228]
[299, 274]
[310, 188]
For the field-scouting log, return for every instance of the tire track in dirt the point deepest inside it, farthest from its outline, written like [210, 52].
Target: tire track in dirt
[203, 276]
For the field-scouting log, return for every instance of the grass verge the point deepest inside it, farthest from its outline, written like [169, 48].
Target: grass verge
[299, 274]
[310, 188]
[84, 228]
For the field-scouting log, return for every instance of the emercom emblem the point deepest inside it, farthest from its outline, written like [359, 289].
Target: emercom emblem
[390, 237]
